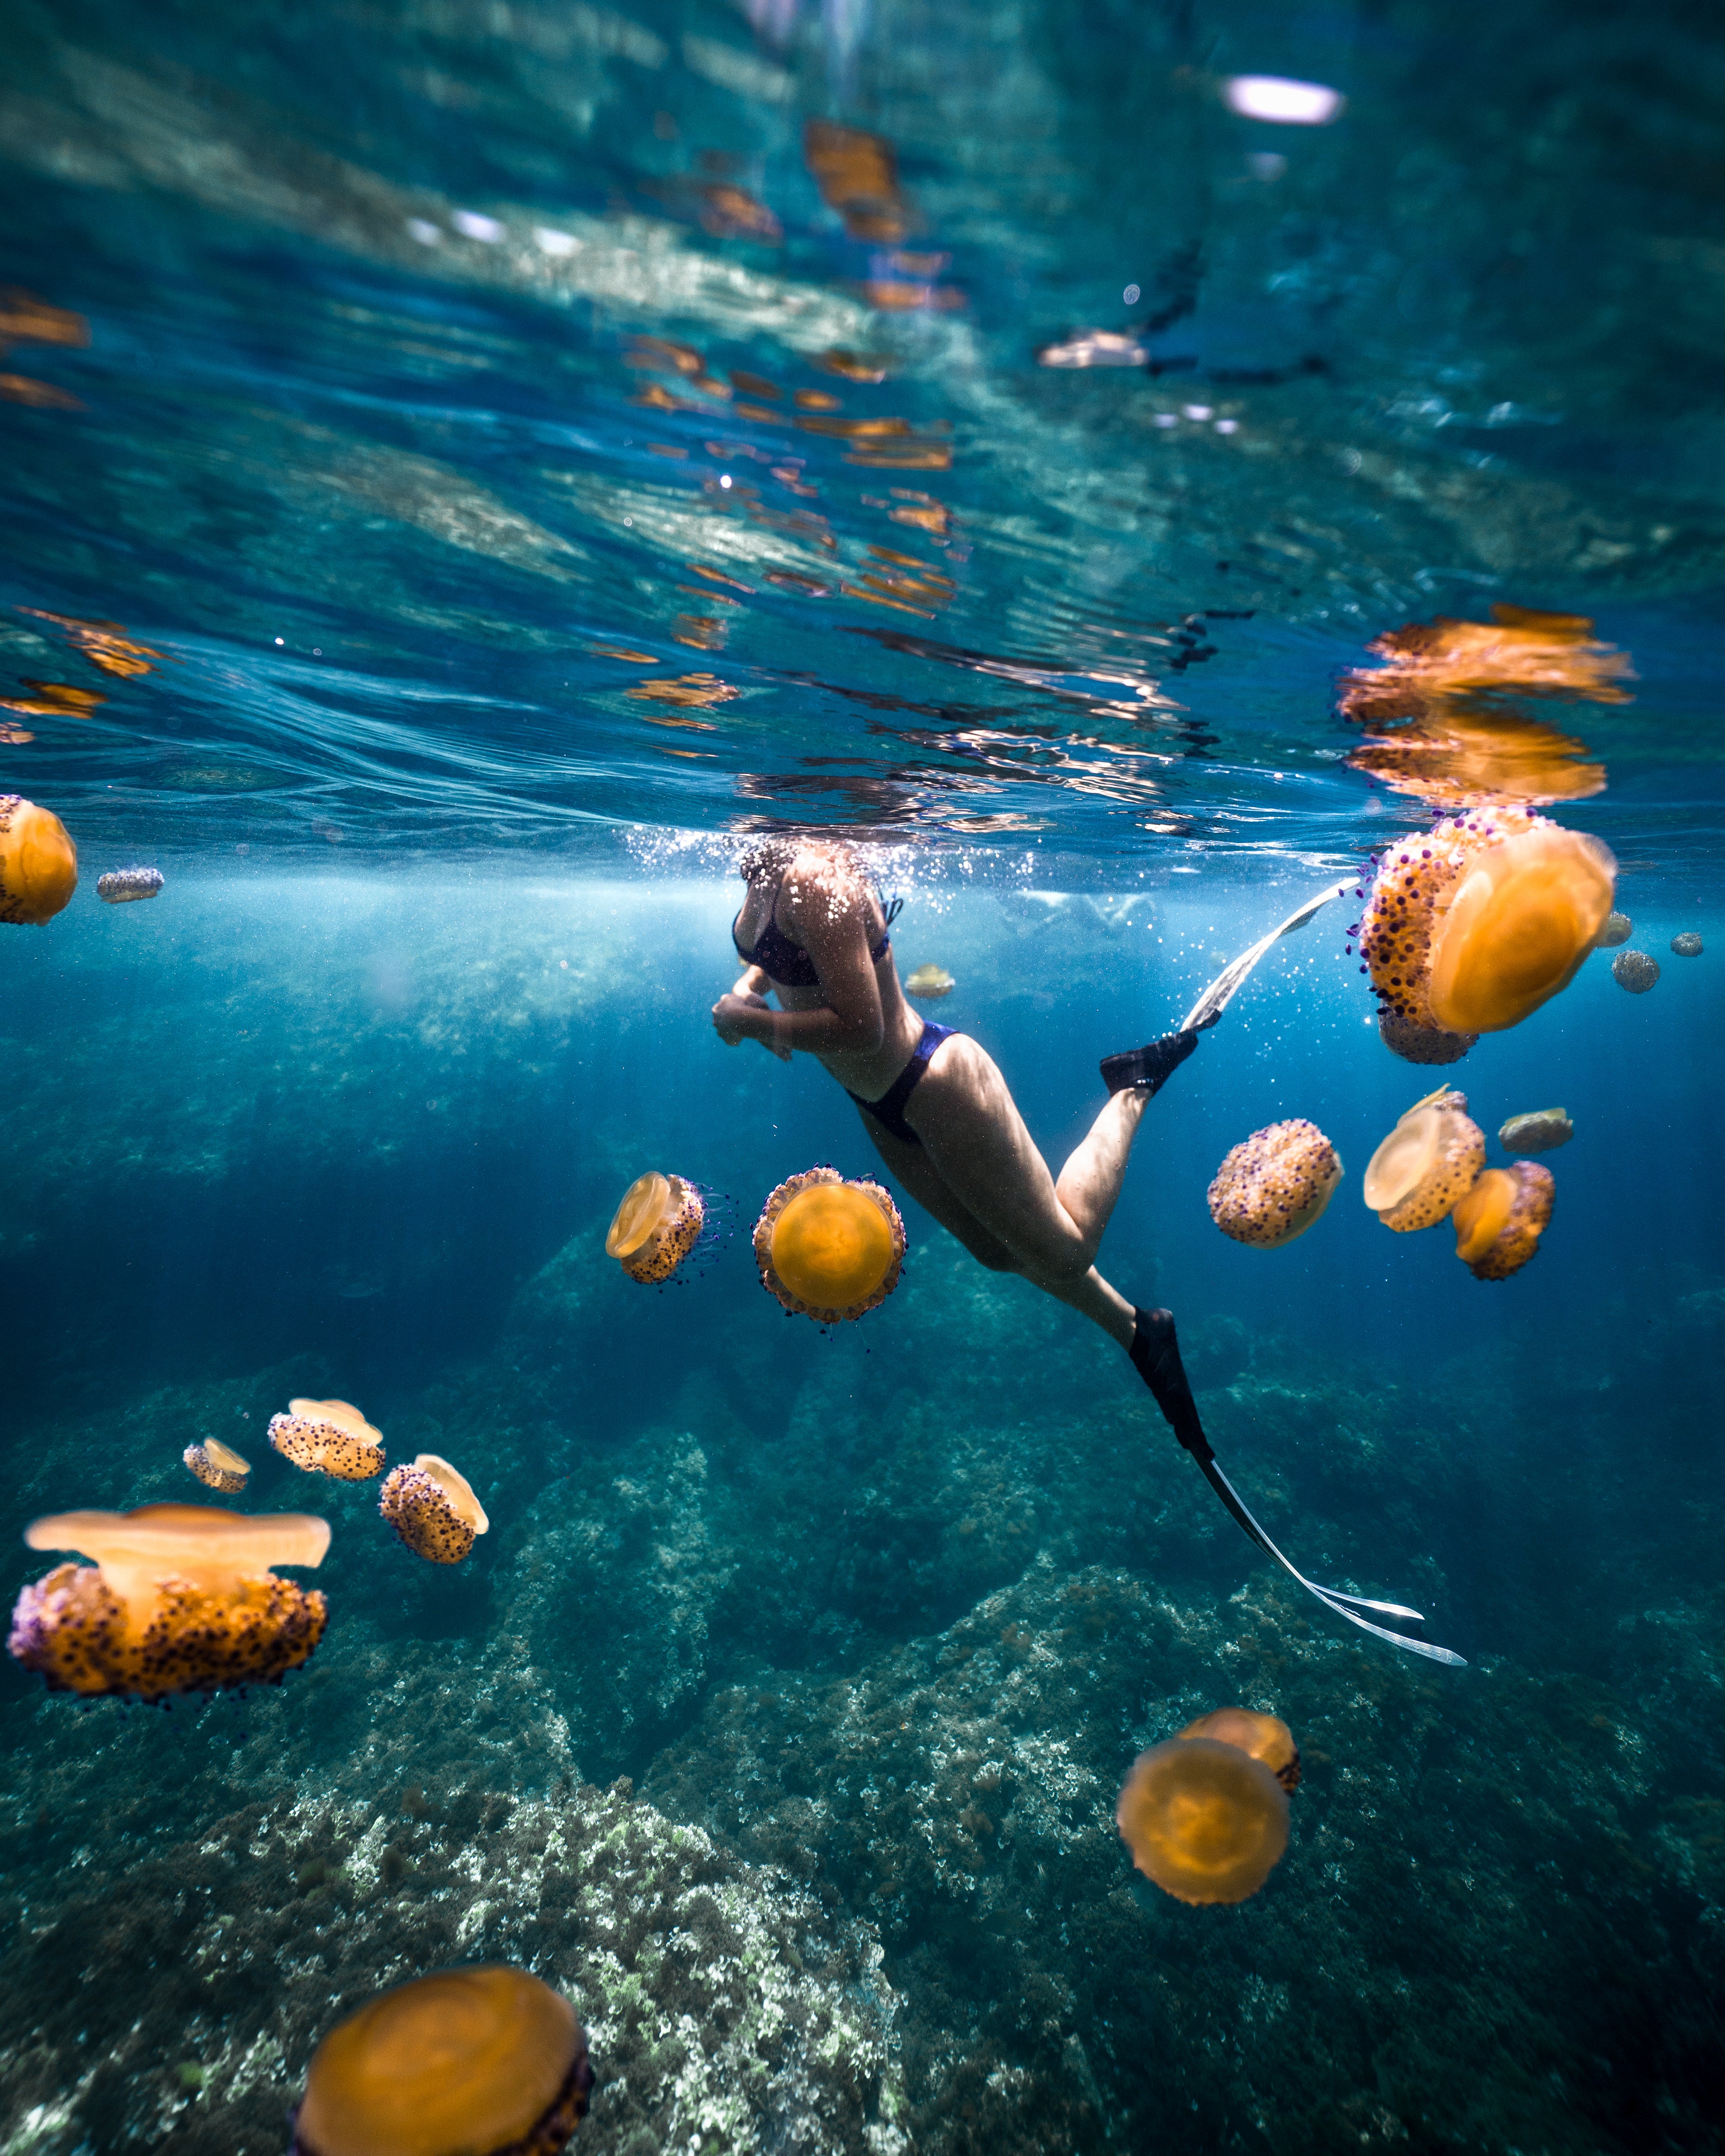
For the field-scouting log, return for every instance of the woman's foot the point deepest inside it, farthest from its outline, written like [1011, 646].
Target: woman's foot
[1155, 1356]
[1148, 1069]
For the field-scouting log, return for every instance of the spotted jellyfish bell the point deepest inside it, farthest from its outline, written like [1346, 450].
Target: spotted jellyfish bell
[1274, 1184]
[1427, 1164]
[829, 1249]
[38, 862]
[328, 1437]
[218, 1465]
[126, 886]
[432, 1507]
[662, 1222]
[1499, 1222]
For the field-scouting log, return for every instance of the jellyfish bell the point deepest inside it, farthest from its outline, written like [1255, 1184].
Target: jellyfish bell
[1518, 926]
[464, 2063]
[929, 983]
[1426, 1164]
[1635, 970]
[1266, 1737]
[432, 1507]
[217, 1464]
[1687, 945]
[1615, 929]
[38, 862]
[660, 1221]
[328, 1437]
[1499, 1222]
[1421, 1044]
[126, 886]
[1273, 1185]
[829, 1249]
[1540, 1130]
[1206, 1820]
[179, 1598]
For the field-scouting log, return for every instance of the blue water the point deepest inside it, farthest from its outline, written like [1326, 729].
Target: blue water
[432, 542]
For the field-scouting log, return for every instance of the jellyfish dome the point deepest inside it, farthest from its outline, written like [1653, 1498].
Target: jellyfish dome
[218, 1465]
[657, 1225]
[1266, 1737]
[38, 863]
[1427, 1164]
[1616, 928]
[180, 1597]
[126, 886]
[1421, 1044]
[829, 1249]
[929, 983]
[1499, 1222]
[1687, 945]
[1634, 971]
[1206, 1821]
[1273, 1185]
[1473, 925]
[1540, 1130]
[485, 2062]
[328, 1437]
[432, 1507]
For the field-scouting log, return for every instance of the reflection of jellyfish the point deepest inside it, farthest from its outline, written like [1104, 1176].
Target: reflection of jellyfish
[1499, 1222]
[328, 1437]
[1615, 929]
[1265, 1737]
[1426, 1164]
[1473, 925]
[38, 863]
[1540, 1130]
[1635, 970]
[827, 1249]
[432, 1507]
[218, 1465]
[125, 886]
[662, 1221]
[181, 1598]
[1688, 944]
[1205, 1820]
[465, 2063]
[1273, 1185]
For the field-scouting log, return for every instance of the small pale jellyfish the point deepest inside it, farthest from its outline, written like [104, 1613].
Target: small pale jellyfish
[1499, 1222]
[1634, 971]
[432, 1507]
[483, 2061]
[328, 1437]
[929, 983]
[1265, 1737]
[1273, 1185]
[38, 863]
[1540, 1130]
[1687, 945]
[1616, 928]
[217, 1464]
[1426, 1164]
[126, 886]
[181, 1598]
[1204, 1819]
[829, 1249]
[662, 1221]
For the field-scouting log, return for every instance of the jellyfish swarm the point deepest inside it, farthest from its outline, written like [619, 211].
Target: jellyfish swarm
[38, 863]
[1273, 1185]
[181, 1598]
[1204, 1819]
[1499, 1222]
[663, 1220]
[1427, 1164]
[464, 2063]
[328, 1437]
[1472, 927]
[829, 1249]
[432, 1507]
[218, 1465]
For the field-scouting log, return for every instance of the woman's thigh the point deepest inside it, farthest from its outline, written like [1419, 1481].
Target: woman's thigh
[918, 1175]
[976, 1141]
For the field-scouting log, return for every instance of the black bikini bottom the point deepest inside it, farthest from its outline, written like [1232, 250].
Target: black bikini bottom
[889, 1110]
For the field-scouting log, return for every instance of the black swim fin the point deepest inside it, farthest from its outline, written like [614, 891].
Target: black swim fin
[1150, 1067]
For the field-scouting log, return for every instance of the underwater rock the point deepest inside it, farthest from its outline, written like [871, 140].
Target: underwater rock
[1687, 945]
[1615, 928]
[1634, 971]
[1273, 1185]
[38, 863]
[328, 1437]
[1499, 1222]
[217, 1464]
[1427, 1164]
[125, 886]
[929, 983]
[432, 1507]
[1540, 1130]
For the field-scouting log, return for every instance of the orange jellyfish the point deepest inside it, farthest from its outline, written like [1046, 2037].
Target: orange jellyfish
[1265, 1737]
[38, 863]
[218, 1465]
[484, 2062]
[432, 1507]
[1204, 1819]
[181, 1598]
[829, 1249]
[661, 1221]
[1273, 1185]
[1427, 1164]
[1499, 1222]
[1471, 927]
[328, 1437]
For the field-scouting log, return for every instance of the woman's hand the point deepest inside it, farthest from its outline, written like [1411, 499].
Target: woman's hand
[737, 1019]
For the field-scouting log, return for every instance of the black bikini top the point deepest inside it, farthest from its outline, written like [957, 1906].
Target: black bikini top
[787, 962]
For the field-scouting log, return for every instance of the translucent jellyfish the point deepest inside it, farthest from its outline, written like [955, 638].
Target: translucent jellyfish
[1205, 1820]
[432, 1507]
[1273, 1185]
[218, 1465]
[827, 1249]
[38, 863]
[181, 1598]
[1426, 1164]
[125, 886]
[464, 2063]
[929, 983]
[1688, 944]
[328, 1437]
[661, 1221]
[1635, 970]
[1471, 927]
[1499, 1222]
[1616, 928]
[1540, 1130]
[1265, 1737]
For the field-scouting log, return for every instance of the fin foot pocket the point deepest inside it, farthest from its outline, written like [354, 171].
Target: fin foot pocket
[1151, 1066]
